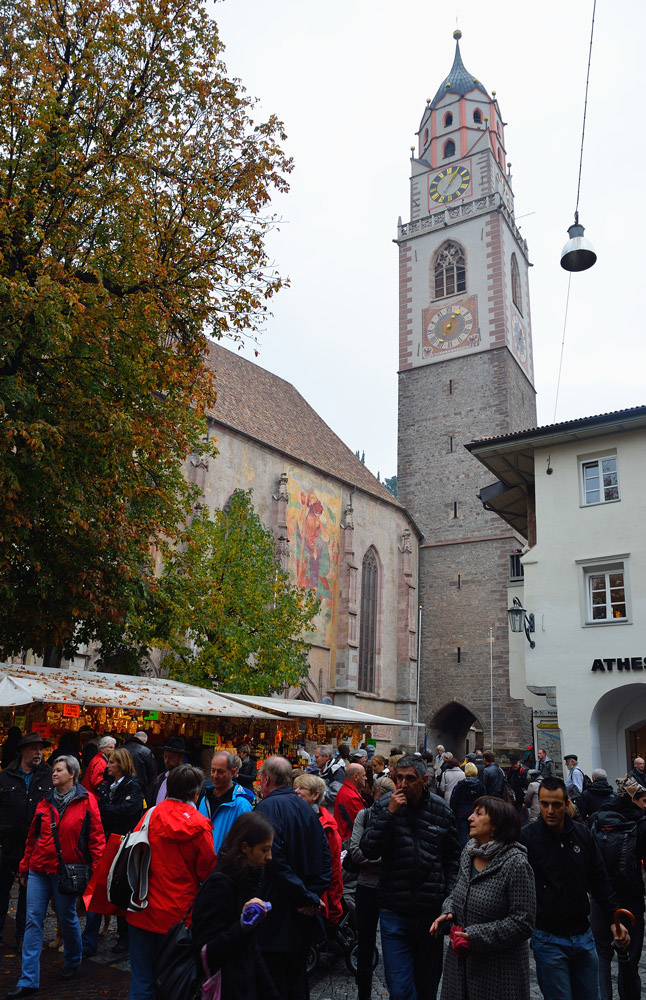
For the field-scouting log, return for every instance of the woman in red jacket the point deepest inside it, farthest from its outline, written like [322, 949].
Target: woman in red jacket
[80, 833]
[312, 789]
[181, 858]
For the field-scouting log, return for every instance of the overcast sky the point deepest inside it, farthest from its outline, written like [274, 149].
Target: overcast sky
[349, 78]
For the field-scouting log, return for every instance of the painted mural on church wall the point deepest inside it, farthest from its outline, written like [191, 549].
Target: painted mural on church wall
[314, 528]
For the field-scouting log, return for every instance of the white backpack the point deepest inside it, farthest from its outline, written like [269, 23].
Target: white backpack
[128, 876]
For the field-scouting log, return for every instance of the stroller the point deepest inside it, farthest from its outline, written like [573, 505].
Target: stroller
[340, 939]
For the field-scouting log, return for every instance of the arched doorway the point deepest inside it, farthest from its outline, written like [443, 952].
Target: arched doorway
[618, 729]
[457, 728]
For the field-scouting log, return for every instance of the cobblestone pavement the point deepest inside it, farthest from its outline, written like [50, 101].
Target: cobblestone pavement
[105, 976]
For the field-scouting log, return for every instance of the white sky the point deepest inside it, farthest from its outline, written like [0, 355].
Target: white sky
[350, 78]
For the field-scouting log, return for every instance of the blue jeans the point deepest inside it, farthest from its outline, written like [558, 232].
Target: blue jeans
[567, 968]
[40, 889]
[144, 946]
[412, 958]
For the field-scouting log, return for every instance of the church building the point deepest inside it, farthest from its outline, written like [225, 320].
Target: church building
[465, 371]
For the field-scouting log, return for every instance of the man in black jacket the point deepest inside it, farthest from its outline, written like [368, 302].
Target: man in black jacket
[597, 796]
[639, 771]
[567, 867]
[493, 777]
[298, 874]
[144, 760]
[22, 785]
[415, 834]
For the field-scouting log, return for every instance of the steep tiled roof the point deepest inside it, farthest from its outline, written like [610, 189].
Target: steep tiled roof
[268, 409]
[459, 81]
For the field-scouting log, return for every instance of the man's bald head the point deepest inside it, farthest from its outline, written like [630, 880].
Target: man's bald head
[356, 775]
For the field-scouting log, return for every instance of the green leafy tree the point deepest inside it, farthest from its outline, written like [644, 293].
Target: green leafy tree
[391, 485]
[226, 610]
[133, 182]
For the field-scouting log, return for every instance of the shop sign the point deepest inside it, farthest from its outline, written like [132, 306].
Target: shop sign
[42, 728]
[20, 721]
[151, 716]
[210, 739]
[71, 711]
[627, 663]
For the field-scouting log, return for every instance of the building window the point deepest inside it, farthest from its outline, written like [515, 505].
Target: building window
[448, 119]
[599, 480]
[449, 149]
[516, 293]
[606, 594]
[450, 272]
[516, 568]
[477, 116]
[368, 621]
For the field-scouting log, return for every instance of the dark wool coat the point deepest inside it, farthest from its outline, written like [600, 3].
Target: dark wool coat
[230, 946]
[497, 907]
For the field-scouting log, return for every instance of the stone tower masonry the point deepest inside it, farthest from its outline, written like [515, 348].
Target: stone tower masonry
[465, 371]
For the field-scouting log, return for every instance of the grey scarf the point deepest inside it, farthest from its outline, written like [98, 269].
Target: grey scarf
[486, 851]
[62, 801]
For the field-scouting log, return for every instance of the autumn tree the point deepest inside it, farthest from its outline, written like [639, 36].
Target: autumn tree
[133, 185]
[226, 610]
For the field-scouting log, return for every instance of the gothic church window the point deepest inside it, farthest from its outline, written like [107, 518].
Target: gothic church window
[516, 292]
[449, 149]
[450, 273]
[368, 621]
[448, 119]
[477, 116]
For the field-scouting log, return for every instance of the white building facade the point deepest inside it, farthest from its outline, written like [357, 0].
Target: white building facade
[577, 492]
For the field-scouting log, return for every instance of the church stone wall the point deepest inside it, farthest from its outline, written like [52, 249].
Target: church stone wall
[352, 525]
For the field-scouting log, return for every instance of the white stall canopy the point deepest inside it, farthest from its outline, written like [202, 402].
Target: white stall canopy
[295, 708]
[20, 685]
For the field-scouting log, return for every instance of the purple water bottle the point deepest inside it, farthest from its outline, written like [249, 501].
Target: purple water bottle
[252, 914]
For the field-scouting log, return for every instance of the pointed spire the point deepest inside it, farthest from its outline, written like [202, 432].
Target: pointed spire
[459, 81]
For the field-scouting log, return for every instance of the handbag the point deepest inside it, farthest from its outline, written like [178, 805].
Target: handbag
[72, 878]
[175, 970]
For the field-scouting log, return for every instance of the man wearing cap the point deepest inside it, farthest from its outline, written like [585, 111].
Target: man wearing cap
[22, 785]
[574, 780]
[174, 753]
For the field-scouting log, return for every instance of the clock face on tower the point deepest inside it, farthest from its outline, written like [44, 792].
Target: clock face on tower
[449, 184]
[449, 327]
[519, 339]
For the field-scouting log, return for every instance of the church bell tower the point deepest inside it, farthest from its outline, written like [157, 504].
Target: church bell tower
[465, 371]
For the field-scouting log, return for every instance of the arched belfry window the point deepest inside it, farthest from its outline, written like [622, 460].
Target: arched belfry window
[477, 116]
[368, 621]
[448, 119]
[450, 273]
[449, 149]
[516, 292]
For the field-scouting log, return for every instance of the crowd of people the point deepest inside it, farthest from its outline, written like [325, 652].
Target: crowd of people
[421, 847]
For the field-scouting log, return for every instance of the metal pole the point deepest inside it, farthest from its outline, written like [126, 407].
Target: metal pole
[491, 683]
[419, 656]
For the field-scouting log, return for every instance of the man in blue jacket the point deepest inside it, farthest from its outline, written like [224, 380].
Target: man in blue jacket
[222, 800]
[298, 874]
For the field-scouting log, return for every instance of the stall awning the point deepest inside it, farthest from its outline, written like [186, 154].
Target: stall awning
[295, 708]
[21, 685]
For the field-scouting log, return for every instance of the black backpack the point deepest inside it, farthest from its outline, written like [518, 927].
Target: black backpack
[617, 840]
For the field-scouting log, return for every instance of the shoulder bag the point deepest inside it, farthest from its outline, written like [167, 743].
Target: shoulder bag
[72, 878]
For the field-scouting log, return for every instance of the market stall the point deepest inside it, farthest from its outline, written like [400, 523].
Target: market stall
[310, 722]
[53, 701]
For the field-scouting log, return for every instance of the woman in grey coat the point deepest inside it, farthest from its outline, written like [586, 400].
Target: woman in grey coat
[493, 908]
[531, 796]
